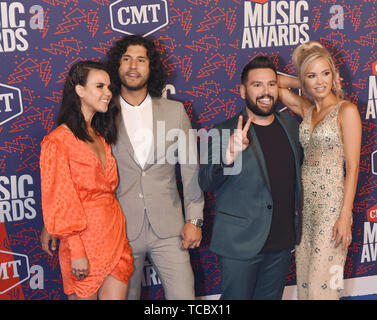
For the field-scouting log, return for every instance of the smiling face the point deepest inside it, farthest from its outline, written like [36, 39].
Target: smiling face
[260, 90]
[134, 68]
[95, 95]
[318, 78]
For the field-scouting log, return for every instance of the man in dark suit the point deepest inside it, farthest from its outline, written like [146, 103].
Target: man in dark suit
[259, 195]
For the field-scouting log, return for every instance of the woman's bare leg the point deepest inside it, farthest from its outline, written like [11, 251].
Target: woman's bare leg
[112, 289]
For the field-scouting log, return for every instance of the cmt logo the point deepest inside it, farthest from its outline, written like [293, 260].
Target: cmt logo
[14, 269]
[138, 16]
[374, 68]
[10, 103]
[372, 214]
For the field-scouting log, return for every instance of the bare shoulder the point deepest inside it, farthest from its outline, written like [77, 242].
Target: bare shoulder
[306, 104]
[349, 117]
[348, 107]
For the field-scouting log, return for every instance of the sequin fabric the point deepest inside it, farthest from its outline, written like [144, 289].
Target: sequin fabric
[319, 265]
[80, 208]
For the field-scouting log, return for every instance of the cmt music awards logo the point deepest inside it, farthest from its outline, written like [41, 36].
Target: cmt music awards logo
[275, 23]
[15, 269]
[10, 103]
[372, 94]
[369, 252]
[17, 198]
[14, 25]
[138, 16]
[371, 110]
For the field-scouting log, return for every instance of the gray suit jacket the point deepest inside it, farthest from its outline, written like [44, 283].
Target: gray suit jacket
[154, 187]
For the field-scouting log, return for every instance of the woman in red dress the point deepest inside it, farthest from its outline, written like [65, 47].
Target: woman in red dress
[78, 181]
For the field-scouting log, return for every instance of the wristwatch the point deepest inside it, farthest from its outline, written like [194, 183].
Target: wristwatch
[196, 222]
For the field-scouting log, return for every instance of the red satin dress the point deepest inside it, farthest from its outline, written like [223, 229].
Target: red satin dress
[80, 208]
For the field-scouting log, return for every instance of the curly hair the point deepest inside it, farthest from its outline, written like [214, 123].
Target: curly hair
[306, 53]
[70, 110]
[157, 75]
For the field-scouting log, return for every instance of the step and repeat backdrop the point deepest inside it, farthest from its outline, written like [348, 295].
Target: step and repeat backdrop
[204, 45]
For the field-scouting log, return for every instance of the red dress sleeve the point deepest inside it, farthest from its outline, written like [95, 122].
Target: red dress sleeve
[63, 214]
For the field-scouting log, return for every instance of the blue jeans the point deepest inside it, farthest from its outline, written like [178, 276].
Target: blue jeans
[259, 278]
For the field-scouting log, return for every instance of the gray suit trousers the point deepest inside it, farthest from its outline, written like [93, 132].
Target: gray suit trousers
[171, 263]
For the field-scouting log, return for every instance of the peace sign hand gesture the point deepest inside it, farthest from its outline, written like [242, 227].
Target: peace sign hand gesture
[238, 141]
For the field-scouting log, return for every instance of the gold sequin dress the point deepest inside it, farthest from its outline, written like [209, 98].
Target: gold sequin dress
[319, 265]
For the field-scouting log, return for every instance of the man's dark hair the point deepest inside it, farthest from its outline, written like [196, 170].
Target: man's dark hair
[259, 62]
[70, 109]
[157, 75]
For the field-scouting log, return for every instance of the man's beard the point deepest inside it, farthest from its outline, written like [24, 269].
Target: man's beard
[134, 88]
[256, 110]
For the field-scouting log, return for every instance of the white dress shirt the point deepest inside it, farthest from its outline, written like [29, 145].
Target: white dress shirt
[139, 125]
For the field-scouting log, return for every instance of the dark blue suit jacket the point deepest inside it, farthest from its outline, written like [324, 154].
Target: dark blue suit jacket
[244, 203]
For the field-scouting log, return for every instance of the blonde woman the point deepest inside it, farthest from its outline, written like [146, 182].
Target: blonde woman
[330, 135]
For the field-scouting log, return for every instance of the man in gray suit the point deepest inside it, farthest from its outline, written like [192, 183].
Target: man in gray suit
[153, 137]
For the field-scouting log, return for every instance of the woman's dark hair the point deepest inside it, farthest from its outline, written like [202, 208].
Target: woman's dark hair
[259, 62]
[70, 109]
[157, 75]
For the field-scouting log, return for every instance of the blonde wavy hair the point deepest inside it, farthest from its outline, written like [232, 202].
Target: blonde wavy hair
[306, 53]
